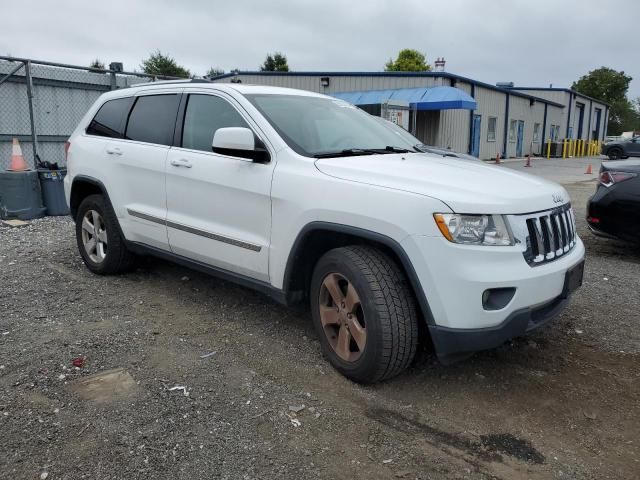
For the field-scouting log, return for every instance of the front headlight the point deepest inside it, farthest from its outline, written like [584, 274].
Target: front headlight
[474, 229]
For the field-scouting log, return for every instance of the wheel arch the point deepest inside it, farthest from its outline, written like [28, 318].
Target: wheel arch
[81, 188]
[317, 238]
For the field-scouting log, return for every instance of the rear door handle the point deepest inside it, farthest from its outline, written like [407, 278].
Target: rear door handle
[114, 151]
[181, 163]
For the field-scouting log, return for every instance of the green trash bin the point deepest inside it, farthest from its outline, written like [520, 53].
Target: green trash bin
[51, 183]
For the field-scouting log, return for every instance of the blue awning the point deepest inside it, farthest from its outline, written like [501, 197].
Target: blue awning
[434, 98]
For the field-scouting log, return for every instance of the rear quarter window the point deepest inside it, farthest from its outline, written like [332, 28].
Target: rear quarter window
[110, 119]
[152, 119]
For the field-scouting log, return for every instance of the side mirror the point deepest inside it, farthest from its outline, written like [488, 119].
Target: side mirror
[239, 142]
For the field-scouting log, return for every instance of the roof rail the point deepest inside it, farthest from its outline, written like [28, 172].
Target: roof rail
[170, 82]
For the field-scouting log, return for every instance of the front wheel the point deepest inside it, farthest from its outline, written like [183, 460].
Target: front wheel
[615, 154]
[364, 313]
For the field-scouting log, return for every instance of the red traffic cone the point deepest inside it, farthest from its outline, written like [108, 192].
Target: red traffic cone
[498, 159]
[589, 170]
[17, 159]
[528, 164]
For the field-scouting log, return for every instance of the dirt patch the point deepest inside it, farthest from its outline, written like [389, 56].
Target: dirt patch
[105, 387]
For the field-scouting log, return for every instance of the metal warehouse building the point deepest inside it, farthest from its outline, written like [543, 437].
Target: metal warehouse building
[466, 116]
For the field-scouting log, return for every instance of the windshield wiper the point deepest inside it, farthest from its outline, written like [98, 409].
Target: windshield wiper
[348, 152]
[392, 149]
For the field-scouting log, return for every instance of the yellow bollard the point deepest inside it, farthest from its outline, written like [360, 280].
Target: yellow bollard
[548, 149]
[571, 146]
[564, 148]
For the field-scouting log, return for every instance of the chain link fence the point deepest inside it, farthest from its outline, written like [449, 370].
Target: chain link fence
[41, 104]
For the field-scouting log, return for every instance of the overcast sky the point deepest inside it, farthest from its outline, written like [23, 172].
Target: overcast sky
[532, 43]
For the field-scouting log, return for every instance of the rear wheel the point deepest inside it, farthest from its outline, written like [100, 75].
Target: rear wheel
[364, 312]
[100, 243]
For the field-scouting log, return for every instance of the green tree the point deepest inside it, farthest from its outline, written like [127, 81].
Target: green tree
[97, 65]
[275, 63]
[408, 60]
[610, 86]
[163, 65]
[214, 72]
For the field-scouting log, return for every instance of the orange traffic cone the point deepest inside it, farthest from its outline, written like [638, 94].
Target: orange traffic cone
[528, 164]
[498, 159]
[17, 159]
[589, 171]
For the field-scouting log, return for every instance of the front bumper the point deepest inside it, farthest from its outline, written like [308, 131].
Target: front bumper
[453, 344]
[454, 278]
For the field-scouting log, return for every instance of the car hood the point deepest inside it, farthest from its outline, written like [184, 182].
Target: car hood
[466, 186]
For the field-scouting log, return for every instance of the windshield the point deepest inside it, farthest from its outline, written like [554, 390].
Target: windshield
[317, 126]
[404, 136]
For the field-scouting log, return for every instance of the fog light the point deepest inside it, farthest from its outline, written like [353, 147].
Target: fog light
[497, 298]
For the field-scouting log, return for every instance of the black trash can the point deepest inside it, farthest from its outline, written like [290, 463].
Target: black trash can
[51, 182]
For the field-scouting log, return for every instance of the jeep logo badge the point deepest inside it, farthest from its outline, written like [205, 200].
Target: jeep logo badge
[557, 198]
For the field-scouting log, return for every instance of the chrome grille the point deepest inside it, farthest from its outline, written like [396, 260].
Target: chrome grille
[545, 236]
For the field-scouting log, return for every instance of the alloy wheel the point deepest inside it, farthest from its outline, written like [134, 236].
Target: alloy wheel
[94, 236]
[342, 317]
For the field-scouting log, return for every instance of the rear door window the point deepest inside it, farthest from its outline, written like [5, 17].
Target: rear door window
[152, 119]
[110, 119]
[204, 115]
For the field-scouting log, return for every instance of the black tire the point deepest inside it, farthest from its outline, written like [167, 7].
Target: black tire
[615, 154]
[388, 307]
[117, 258]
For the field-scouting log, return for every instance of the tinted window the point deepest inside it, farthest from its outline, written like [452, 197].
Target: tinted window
[152, 119]
[204, 115]
[109, 121]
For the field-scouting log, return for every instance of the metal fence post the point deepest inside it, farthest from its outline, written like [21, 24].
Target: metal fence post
[34, 134]
[114, 84]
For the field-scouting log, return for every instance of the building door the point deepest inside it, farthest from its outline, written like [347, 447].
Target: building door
[595, 134]
[475, 136]
[520, 138]
[580, 107]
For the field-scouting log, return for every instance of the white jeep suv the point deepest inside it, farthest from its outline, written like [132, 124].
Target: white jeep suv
[309, 199]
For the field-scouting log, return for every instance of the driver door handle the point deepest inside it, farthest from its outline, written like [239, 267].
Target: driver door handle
[182, 162]
[114, 151]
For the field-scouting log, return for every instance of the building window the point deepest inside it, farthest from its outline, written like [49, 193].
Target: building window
[513, 124]
[536, 133]
[554, 130]
[491, 129]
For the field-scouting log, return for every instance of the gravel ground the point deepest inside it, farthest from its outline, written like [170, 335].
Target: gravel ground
[259, 401]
